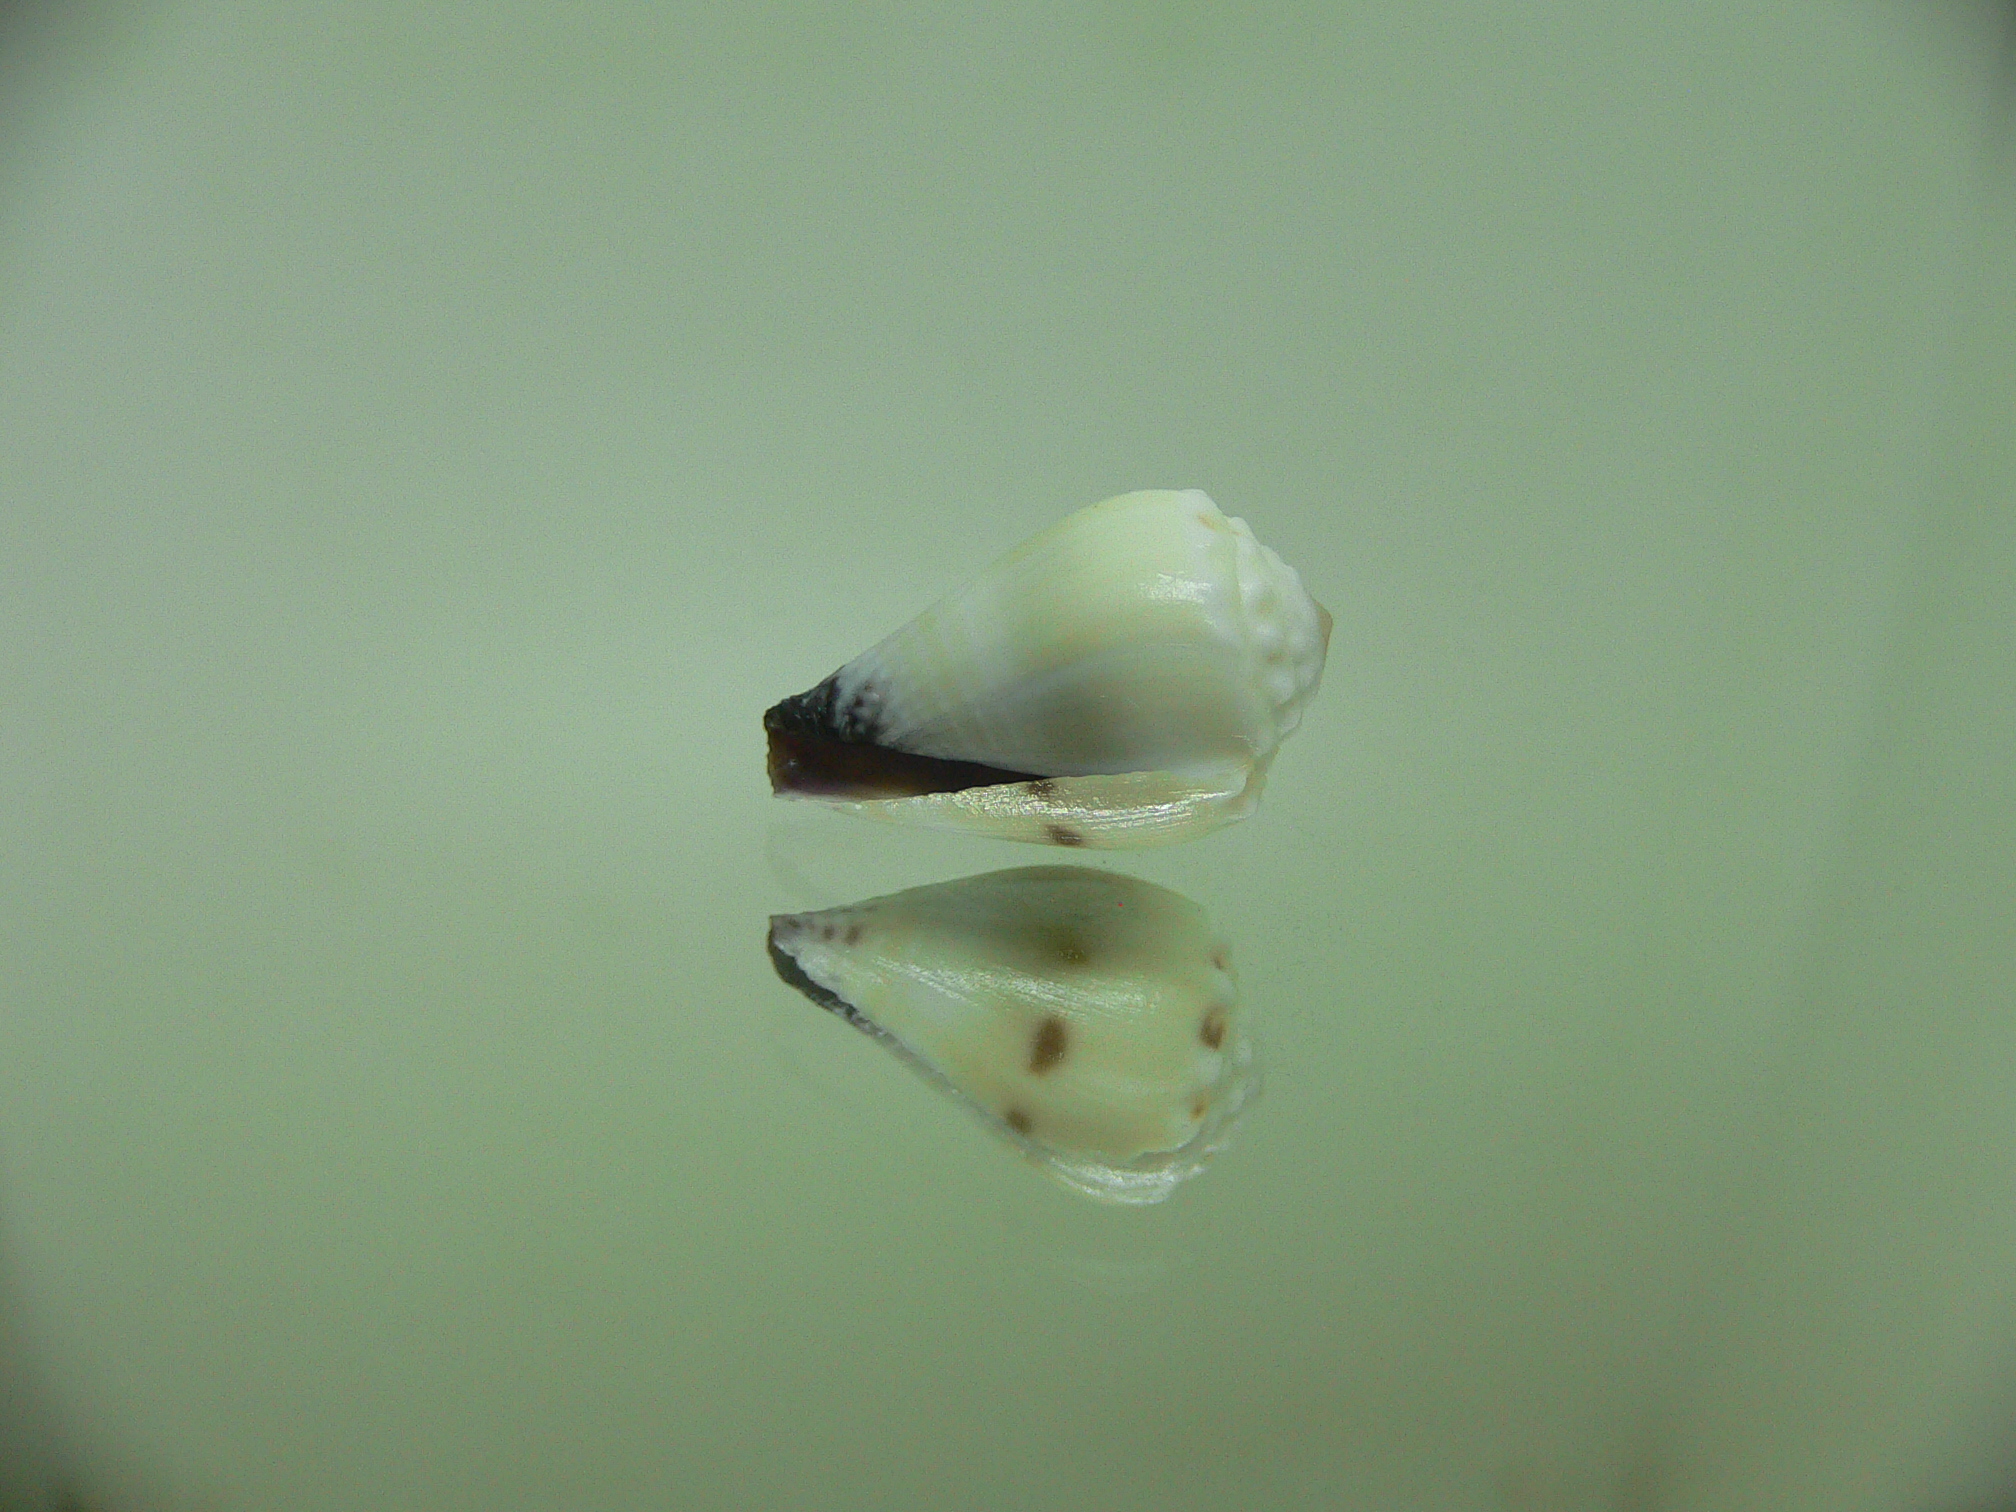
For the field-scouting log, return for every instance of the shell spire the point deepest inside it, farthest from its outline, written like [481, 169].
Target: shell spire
[1122, 679]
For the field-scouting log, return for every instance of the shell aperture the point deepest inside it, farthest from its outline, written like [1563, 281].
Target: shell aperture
[1090, 1019]
[1121, 679]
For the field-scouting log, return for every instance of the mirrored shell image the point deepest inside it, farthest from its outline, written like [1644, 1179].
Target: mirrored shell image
[1089, 1019]
[1122, 679]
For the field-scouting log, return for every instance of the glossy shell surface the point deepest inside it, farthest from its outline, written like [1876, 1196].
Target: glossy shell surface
[1122, 679]
[1090, 1019]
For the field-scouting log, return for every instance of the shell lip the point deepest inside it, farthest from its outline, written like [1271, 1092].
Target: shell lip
[811, 757]
[785, 964]
[793, 975]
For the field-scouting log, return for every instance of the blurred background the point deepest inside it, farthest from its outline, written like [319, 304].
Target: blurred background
[430, 434]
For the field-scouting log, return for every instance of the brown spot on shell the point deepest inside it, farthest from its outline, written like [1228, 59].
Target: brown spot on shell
[1201, 1106]
[853, 934]
[1212, 1030]
[1222, 958]
[1063, 834]
[1018, 1120]
[1069, 946]
[1051, 1041]
[1039, 787]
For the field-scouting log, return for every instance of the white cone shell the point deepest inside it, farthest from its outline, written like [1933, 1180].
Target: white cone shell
[1091, 1019]
[1147, 653]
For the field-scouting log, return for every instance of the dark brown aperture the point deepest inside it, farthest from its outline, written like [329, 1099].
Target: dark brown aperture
[814, 753]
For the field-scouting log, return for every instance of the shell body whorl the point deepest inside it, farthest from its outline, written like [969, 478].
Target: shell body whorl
[1091, 1019]
[1123, 678]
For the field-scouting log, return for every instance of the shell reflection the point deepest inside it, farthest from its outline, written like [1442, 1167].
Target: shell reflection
[1122, 679]
[1090, 1019]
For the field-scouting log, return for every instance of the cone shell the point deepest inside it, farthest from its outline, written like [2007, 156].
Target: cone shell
[1123, 679]
[1091, 1020]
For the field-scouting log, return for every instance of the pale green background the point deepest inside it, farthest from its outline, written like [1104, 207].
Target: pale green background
[429, 436]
